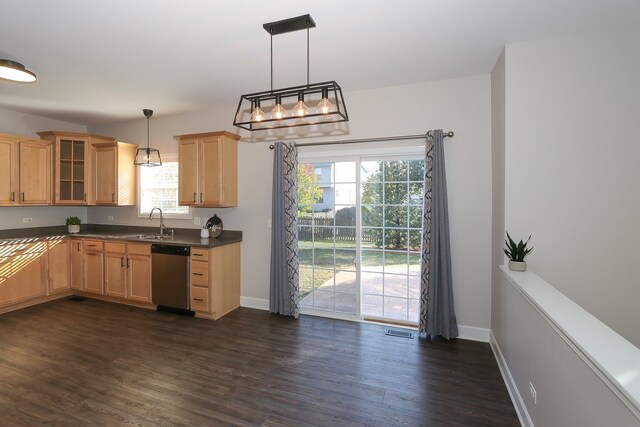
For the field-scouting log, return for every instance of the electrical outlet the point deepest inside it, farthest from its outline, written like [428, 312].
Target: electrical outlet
[197, 220]
[27, 220]
[532, 392]
[110, 218]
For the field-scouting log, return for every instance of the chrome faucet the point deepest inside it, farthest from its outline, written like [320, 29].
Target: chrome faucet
[162, 226]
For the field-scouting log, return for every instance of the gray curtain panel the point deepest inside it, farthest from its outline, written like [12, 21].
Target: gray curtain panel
[437, 316]
[284, 291]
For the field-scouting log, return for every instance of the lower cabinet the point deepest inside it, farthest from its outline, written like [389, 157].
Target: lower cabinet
[128, 271]
[58, 263]
[93, 266]
[76, 255]
[22, 267]
[215, 280]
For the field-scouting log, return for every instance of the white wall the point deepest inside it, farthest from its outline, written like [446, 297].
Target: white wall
[461, 105]
[572, 175]
[16, 123]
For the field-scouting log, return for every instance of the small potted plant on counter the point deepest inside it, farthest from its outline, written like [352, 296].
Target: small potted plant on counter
[516, 253]
[73, 223]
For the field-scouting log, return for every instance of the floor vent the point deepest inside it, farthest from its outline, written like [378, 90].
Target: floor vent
[398, 333]
[77, 298]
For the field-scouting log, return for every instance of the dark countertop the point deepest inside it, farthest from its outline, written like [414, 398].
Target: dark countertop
[182, 237]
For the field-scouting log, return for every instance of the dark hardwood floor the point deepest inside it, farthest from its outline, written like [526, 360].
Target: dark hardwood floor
[93, 363]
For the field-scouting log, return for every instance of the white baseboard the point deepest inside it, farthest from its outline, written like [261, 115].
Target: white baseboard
[516, 397]
[257, 303]
[473, 333]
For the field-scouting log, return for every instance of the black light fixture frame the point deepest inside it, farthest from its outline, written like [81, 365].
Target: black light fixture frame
[146, 153]
[295, 93]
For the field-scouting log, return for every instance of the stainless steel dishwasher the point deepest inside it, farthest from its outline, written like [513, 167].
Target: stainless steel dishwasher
[170, 277]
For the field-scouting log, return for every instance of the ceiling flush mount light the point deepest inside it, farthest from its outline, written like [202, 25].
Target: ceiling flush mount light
[16, 72]
[148, 156]
[289, 108]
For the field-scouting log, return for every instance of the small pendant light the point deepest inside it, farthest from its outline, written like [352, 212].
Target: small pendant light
[148, 156]
[15, 72]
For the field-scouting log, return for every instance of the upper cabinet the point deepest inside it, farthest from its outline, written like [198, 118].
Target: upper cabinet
[115, 173]
[208, 165]
[25, 171]
[73, 166]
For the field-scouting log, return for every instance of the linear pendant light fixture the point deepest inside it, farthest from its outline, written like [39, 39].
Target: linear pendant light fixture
[148, 156]
[289, 107]
[16, 72]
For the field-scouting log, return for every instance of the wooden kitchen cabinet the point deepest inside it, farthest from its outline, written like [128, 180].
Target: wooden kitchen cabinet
[25, 166]
[75, 255]
[128, 271]
[58, 262]
[215, 280]
[208, 169]
[114, 173]
[22, 267]
[93, 266]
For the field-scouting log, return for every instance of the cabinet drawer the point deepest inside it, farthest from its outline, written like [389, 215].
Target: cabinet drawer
[199, 254]
[199, 299]
[200, 273]
[139, 249]
[115, 247]
[93, 245]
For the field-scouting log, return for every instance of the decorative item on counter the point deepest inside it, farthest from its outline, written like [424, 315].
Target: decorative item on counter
[214, 224]
[516, 253]
[73, 224]
[204, 233]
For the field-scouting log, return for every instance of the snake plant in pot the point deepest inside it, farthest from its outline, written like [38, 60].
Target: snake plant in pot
[516, 253]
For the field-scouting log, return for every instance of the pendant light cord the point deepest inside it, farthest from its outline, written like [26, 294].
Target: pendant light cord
[271, 32]
[147, 135]
[307, 52]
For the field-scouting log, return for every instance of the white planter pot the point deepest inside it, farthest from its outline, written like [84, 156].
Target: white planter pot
[518, 265]
[73, 229]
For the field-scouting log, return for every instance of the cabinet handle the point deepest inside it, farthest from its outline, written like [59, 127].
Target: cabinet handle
[22, 196]
[196, 254]
[194, 197]
[13, 197]
[91, 253]
[92, 245]
[78, 246]
[121, 262]
[85, 197]
[128, 259]
[200, 197]
[113, 197]
[198, 299]
[197, 274]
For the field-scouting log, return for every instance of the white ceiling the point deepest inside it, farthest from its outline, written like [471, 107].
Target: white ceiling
[103, 61]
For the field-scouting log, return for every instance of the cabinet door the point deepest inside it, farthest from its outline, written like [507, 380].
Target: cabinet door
[35, 173]
[93, 272]
[8, 169]
[105, 167]
[58, 265]
[211, 172]
[139, 278]
[115, 275]
[71, 171]
[188, 173]
[76, 264]
[21, 276]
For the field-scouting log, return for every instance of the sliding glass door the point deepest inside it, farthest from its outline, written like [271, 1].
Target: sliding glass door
[360, 227]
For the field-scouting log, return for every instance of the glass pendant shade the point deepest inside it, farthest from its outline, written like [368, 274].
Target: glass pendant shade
[147, 156]
[324, 107]
[300, 109]
[278, 112]
[257, 115]
[16, 72]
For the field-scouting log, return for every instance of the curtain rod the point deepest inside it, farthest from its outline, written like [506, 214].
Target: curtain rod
[384, 138]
